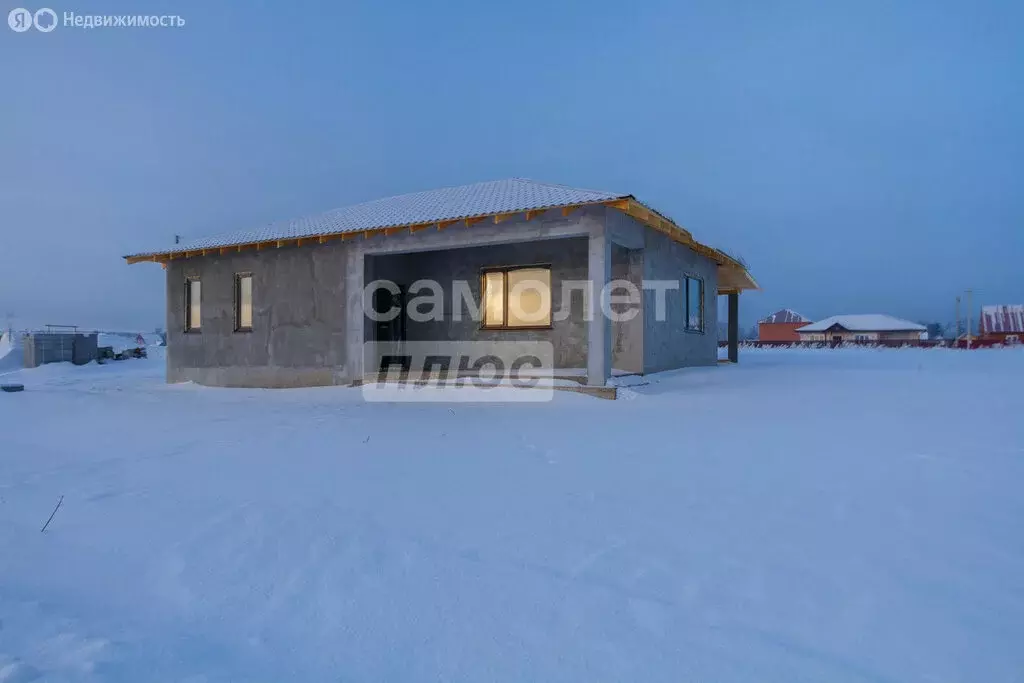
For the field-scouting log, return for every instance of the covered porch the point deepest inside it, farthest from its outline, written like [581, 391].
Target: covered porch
[575, 253]
[578, 254]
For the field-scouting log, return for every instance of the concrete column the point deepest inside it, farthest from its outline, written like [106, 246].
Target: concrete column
[734, 326]
[599, 327]
[628, 335]
[355, 317]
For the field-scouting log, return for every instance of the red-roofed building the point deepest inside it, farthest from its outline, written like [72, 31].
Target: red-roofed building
[1002, 324]
[781, 326]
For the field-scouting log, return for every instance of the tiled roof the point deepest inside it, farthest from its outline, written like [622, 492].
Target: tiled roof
[451, 203]
[1003, 318]
[785, 316]
[864, 323]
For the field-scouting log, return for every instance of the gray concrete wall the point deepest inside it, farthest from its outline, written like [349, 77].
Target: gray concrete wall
[58, 347]
[86, 349]
[667, 344]
[302, 308]
[298, 330]
[568, 261]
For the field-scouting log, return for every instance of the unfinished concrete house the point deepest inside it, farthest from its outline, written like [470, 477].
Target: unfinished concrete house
[287, 304]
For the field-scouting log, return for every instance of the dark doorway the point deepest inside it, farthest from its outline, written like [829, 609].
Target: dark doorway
[393, 329]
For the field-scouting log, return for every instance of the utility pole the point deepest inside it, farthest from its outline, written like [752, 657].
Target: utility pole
[969, 294]
[956, 337]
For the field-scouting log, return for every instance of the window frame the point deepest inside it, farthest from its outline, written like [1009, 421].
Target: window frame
[686, 305]
[237, 301]
[191, 328]
[505, 270]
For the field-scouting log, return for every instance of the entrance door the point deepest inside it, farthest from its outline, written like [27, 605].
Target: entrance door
[389, 334]
[837, 340]
[393, 329]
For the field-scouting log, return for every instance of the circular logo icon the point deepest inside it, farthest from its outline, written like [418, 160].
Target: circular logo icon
[45, 19]
[19, 19]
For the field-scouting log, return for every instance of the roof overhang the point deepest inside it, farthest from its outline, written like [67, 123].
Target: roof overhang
[811, 328]
[733, 276]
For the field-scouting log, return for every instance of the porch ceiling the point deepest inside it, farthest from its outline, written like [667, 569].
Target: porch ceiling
[732, 279]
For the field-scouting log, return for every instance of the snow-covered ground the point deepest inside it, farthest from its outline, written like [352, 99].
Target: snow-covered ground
[808, 515]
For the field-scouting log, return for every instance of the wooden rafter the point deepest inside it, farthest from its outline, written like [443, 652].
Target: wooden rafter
[639, 212]
[726, 264]
[734, 275]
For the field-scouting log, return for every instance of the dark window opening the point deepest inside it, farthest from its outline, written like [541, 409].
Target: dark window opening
[694, 304]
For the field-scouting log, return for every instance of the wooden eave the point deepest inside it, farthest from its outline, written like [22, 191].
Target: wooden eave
[733, 276]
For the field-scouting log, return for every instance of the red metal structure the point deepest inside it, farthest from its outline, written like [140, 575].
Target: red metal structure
[1002, 324]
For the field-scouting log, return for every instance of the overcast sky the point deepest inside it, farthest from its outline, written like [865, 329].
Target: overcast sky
[862, 156]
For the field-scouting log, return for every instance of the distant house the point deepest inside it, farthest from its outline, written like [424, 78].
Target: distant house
[862, 328]
[1002, 324]
[781, 326]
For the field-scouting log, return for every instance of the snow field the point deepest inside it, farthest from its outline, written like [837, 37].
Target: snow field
[807, 515]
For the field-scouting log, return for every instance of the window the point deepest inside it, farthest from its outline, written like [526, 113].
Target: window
[243, 302]
[193, 299]
[516, 298]
[694, 304]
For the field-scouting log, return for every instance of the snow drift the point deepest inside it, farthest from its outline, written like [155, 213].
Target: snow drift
[11, 353]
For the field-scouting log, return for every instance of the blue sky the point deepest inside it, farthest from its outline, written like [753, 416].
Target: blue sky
[861, 156]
